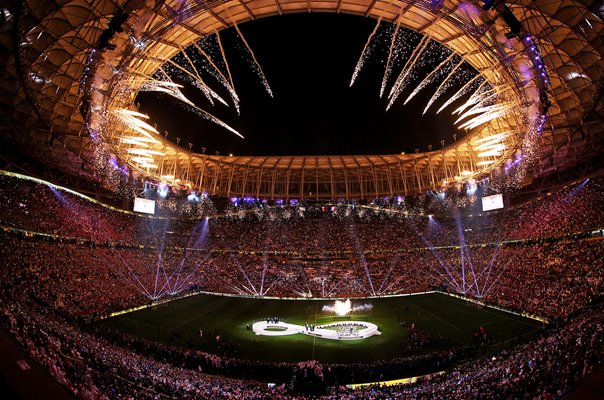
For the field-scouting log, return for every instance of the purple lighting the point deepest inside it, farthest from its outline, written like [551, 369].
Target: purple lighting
[162, 190]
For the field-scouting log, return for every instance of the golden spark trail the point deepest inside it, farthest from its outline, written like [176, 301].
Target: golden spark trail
[200, 84]
[364, 53]
[489, 114]
[220, 77]
[226, 63]
[428, 78]
[175, 91]
[441, 87]
[474, 98]
[401, 83]
[480, 103]
[178, 94]
[215, 71]
[213, 119]
[154, 85]
[388, 69]
[477, 109]
[459, 93]
[256, 65]
[231, 89]
[131, 119]
[208, 95]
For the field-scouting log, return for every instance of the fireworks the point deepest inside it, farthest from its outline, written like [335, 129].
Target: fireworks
[388, 69]
[224, 60]
[443, 86]
[432, 75]
[213, 119]
[212, 68]
[483, 101]
[342, 308]
[488, 105]
[139, 143]
[462, 91]
[365, 53]
[255, 65]
[194, 78]
[134, 121]
[405, 75]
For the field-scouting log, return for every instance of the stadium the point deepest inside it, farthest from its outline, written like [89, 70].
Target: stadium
[285, 199]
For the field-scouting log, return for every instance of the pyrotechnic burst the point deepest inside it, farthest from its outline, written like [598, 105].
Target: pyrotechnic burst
[201, 56]
[342, 308]
[485, 102]
[479, 95]
[213, 119]
[254, 62]
[189, 66]
[187, 72]
[173, 90]
[437, 72]
[446, 84]
[224, 60]
[134, 120]
[406, 76]
[369, 46]
[470, 85]
[390, 61]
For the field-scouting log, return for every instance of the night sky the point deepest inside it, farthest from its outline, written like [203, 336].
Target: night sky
[308, 60]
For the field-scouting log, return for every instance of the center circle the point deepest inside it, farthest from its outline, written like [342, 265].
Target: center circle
[345, 330]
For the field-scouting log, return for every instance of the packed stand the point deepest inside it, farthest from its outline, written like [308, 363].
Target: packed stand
[307, 230]
[100, 260]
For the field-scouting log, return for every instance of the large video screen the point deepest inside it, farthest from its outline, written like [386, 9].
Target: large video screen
[144, 205]
[493, 202]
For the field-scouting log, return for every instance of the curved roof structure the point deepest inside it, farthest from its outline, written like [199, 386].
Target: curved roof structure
[72, 66]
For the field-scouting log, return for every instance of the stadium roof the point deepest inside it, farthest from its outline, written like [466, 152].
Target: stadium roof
[56, 90]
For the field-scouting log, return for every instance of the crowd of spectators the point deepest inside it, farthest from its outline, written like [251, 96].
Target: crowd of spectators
[98, 260]
[94, 368]
[546, 368]
[546, 279]
[300, 229]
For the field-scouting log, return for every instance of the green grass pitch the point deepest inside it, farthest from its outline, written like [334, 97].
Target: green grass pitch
[178, 322]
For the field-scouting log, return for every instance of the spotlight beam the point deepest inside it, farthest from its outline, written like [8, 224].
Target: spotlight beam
[362, 260]
[464, 249]
[142, 288]
[488, 271]
[303, 276]
[387, 277]
[429, 245]
[244, 274]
